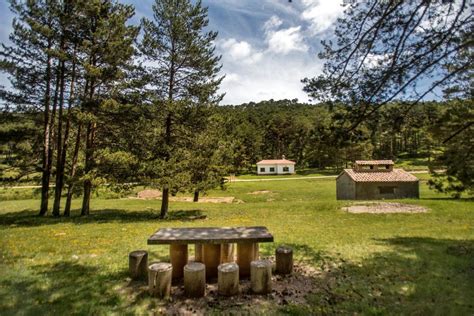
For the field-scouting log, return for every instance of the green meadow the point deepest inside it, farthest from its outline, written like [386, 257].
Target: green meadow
[420, 264]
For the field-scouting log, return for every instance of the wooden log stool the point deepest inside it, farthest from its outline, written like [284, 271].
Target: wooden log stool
[228, 279]
[159, 279]
[211, 254]
[137, 264]
[227, 253]
[284, 260]
[194, 279]
[246, 253]
[178, 258]
[261, 276]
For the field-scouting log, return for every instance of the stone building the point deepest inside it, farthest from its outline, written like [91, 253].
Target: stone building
[376, 179]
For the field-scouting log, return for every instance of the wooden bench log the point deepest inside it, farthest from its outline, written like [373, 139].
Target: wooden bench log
[228, 279]
[227, 253]
[138, 264]
[194, 279]
[198, 253]
[261, 276]
[159, 279]
[211, 259]
[284, 260]
[178, 258]
[246, 253]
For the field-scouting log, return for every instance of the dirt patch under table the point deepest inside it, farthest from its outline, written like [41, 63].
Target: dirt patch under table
[384, 208]
[287, 289]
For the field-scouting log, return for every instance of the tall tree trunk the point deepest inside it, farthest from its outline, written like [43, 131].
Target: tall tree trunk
[70, 189]
[52, 123]
[166, 192]
[62, 161]
[89, 163]
[59, 176]
[196, 196]
[46, 167]
[88, 168]
[164, 202]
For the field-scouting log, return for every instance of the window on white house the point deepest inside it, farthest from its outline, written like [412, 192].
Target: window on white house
[272, 169]
[262, 169]
[286, 169]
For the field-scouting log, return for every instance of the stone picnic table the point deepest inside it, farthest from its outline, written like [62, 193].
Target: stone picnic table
[213, 246]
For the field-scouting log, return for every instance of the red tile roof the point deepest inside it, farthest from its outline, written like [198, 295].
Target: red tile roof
[397, 175]
[374, 162]
[275, 162]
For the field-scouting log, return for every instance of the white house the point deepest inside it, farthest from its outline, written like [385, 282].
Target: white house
[276, 166]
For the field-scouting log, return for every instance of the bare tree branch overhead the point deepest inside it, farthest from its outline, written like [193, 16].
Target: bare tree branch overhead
[388, 50]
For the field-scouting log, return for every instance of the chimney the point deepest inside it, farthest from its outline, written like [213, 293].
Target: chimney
[283, 157]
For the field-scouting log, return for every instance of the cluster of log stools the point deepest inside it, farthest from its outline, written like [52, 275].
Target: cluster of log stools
[160, 274]
[211, 259]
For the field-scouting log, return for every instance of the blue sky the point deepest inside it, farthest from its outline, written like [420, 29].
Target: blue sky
[267, 46]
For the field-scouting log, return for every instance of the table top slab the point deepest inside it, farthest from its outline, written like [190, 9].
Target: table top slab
[210, 235]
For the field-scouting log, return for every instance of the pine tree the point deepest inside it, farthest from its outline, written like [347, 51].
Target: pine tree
[30, 63]
[210, 158]
[107, 50]
[184, 77]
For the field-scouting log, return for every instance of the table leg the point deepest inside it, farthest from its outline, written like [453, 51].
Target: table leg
[198, 253]
[227, 253]
[179, 258]
[211, 254]
[246, 253]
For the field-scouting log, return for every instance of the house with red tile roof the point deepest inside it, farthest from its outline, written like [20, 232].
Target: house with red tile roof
[376, 179]
[275, 166]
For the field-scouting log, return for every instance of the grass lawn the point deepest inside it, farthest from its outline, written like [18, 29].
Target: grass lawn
[370, 263]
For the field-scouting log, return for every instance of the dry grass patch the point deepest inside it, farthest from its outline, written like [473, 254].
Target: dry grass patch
[151, 194]
[384, 208]
[223, 199]
[260, 192]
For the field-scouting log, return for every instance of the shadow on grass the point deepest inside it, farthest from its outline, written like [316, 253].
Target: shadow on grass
[64, 288]
[31, 218]
[422, 276]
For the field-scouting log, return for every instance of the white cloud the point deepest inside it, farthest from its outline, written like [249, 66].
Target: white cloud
[236, 49]
[272, 23]
[274, 77]
[286, 40]
[322, 14]
[375, 60]
[231, 78]
[239, 51]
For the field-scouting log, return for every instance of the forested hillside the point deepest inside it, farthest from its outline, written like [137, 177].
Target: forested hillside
[307, 133]
[314, 136]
